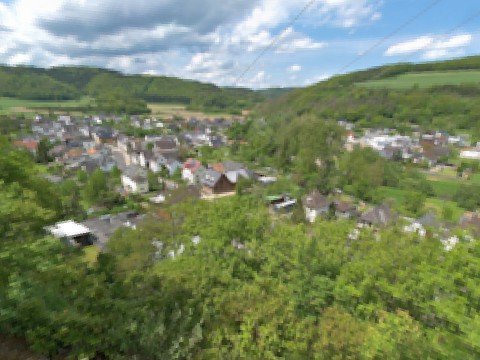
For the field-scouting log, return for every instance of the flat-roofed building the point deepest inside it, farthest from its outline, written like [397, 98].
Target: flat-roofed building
[72, 233]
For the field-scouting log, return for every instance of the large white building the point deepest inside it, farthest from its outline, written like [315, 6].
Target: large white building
[472, 154]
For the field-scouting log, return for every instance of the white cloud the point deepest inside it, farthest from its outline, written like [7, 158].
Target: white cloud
[294, 68]
[431, 47]
[212, 41]
[347, 13]
[410, 46]
[454, 42]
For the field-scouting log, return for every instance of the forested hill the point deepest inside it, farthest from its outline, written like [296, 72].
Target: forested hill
[65, 83]
[432, 95]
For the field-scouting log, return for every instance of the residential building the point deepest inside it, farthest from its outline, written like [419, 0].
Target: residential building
[135, 180]
[379, 216]
[214, 183]
[315, 205]
[192, 171]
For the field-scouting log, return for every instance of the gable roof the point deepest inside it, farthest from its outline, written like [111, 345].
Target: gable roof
[379, 215]
[211, 178]
[344, 206]
[192, 164]
[316, 201]
[135, 173]
[234, 175]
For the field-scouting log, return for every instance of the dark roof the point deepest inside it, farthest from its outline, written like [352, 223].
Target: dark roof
[104, 226]
[210, 178]
[104, 133]
[136, 173]
[471, 221]
[433, 152]
[344, 206]
[380, 215]
[316, 201]
[166, 143]
[429, 220]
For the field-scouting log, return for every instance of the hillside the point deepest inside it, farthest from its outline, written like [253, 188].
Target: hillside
[69, 83]
[426, 79]
[392, 95]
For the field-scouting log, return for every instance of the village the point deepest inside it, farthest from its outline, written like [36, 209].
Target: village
[170, 152]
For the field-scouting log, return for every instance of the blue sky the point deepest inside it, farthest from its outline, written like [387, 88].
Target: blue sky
[215, 41]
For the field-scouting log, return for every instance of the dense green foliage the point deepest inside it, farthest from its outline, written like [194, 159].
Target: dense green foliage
[448, 107]
[288, 292]
[64, 83]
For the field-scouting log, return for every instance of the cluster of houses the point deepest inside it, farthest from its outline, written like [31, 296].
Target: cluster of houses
[317, 206]
[88, 144]
[429, 148]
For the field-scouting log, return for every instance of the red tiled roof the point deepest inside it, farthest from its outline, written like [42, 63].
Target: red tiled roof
[192, 164]
[27, 144]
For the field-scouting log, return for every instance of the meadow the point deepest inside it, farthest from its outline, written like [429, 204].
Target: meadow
[12, 105]
[425, 79]
[431, 204]
[171, 110]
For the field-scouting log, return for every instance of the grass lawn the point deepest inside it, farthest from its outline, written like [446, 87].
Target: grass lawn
[475, 179]
[12, 105]
[435, 204]
[91, 254]
[445, 189]
[426, 79]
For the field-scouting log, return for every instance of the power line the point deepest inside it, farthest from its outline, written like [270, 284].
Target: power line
[275, 41]
[390, 35]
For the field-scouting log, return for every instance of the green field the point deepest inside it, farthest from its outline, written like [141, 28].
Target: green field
[426, 79]
[445, 189]
[11, 105]
[434, 204]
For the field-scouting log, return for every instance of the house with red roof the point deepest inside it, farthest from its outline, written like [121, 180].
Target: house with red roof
[193, 171]
[29, 145]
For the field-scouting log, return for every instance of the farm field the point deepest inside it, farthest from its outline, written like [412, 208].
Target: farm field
[170, 110]
[12, 105]
[426, 79]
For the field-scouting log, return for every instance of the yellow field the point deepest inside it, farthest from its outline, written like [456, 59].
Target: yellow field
[170, 110]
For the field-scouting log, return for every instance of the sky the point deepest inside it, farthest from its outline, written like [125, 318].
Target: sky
[217, 41]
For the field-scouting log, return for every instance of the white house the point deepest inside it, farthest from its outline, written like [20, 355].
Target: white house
[472, 154]
[134, 180]
[192, 171]
[315, 205]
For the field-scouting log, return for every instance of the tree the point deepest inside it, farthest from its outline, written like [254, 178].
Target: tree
[447, 213]
[153, 183]
[414, 203]
[96, 187]
[43, 151]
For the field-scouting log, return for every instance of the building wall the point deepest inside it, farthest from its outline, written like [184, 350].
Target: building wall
[134, 187]
[188, 176]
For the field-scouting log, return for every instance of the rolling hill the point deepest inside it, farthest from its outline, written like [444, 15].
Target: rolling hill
[70, 83]
[426, 79]
[435, 95]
